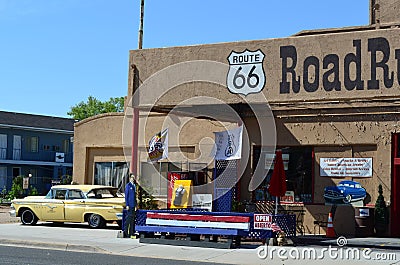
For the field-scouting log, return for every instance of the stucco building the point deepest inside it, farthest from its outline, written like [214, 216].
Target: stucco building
[316, 95]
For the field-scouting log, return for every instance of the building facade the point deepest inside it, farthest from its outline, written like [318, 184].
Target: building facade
[37, 146]
[319, 96]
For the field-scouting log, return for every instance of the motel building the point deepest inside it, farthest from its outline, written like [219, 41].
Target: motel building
[328, 99]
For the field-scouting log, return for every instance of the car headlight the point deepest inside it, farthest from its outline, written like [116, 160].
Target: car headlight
[341, 191]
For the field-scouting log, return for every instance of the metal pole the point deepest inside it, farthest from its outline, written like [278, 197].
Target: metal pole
[135, 123]
[141, 24]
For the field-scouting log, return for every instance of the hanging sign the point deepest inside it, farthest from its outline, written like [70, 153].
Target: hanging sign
[246, 74]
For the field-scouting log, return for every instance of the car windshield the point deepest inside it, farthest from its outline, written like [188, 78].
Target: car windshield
[58, 194]
[49, 195]
[102, 193]
[346, 185]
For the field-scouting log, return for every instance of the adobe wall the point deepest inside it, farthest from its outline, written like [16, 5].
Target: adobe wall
[94, 138]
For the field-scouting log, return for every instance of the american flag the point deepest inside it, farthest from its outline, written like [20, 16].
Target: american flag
[275, 227]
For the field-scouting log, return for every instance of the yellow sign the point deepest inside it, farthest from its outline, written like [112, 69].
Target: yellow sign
[181, 194]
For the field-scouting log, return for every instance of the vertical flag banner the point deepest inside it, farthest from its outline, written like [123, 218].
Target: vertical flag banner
[158, 146]
[229, 144]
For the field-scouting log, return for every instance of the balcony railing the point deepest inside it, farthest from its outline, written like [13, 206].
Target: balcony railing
[45, 156]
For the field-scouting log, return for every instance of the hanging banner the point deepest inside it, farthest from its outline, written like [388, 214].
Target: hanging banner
[229, 144]
[158, 146]
[345, 167]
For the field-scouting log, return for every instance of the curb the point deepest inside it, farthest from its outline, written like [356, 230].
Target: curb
[349, 244]
[55, 246]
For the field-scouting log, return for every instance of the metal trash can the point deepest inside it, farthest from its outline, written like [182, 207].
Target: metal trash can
[364, 221]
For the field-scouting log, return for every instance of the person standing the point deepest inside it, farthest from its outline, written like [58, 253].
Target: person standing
[130, 202]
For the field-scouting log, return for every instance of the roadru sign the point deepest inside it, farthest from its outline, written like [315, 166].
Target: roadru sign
[246, 74]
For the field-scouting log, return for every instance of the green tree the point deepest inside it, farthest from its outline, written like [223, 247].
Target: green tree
[94, 107]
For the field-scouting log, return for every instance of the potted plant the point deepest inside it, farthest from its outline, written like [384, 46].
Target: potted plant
[381, 214]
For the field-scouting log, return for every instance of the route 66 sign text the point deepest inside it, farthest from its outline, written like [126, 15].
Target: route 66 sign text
[246, 74]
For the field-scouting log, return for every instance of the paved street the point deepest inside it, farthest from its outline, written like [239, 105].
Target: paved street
[32, 256]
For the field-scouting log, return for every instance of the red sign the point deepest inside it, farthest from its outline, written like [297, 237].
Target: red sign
[263, 221]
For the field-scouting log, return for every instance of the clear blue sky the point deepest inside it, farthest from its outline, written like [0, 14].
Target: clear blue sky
[55, 53]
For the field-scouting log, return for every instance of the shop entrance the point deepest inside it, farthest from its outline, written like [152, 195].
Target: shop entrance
[395, 199]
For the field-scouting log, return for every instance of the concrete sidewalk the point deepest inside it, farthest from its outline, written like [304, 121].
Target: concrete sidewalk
[78, 237]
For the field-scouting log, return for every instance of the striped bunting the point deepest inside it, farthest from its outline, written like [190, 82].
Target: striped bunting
[201, 221]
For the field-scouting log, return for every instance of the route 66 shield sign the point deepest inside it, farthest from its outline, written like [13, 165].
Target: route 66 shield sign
[246, 74]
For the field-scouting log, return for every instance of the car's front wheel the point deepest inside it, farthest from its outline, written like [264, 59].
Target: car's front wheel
[96, 221]
[28, 217]
[347, 199]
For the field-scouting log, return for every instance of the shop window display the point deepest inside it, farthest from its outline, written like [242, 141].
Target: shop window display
[298, 169]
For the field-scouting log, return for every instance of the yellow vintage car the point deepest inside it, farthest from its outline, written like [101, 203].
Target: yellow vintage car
[94, 204]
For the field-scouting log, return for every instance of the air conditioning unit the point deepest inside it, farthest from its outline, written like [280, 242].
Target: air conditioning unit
[60, 157]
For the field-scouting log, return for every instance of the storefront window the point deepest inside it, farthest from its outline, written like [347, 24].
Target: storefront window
[111, 174]
[298, 169]
[154, 176]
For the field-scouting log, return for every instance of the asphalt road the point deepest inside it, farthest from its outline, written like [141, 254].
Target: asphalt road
[33, 256]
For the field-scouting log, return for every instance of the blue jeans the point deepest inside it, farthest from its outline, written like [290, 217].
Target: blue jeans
[129, 227]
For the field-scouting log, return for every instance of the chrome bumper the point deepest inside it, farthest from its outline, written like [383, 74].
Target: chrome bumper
[13, 213]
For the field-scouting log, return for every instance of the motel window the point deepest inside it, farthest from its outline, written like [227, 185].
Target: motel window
[111, 174]
[65, 146]
[3, 146]
[56, 148]
[298, 169]
[32, 144]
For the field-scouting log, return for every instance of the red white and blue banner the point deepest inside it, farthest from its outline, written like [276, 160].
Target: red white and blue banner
[158, 146]
[199, 221]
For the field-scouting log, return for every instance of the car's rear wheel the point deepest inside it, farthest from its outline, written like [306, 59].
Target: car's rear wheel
[96, 221]
[28, 217]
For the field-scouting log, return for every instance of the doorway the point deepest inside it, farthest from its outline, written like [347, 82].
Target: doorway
[395, 200]
[16, 171]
